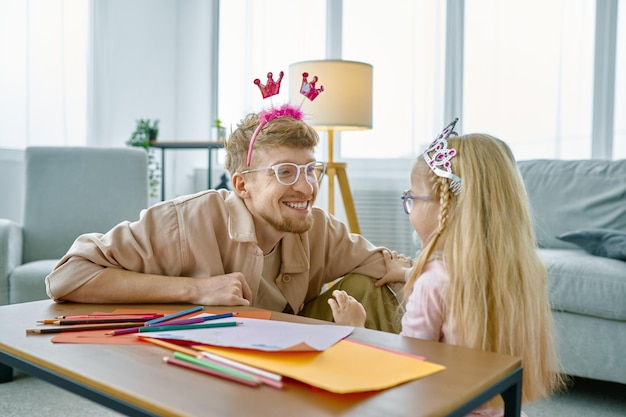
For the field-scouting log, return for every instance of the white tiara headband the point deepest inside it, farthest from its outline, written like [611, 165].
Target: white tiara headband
[438, 157]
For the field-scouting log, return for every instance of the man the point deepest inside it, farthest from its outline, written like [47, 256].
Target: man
[262, 244]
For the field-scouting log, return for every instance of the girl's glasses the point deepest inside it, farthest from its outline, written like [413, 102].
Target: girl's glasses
[407, 200]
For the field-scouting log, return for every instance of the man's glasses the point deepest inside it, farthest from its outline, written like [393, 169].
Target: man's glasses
[288, 173]
[407, 200]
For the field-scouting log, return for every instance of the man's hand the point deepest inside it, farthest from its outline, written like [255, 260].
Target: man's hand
[228, 290]
[347, 310]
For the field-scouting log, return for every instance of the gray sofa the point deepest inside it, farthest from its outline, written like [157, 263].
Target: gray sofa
[583, 202]
[68, 191]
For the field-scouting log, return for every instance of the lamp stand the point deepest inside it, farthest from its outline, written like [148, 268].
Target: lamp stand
[338, 170]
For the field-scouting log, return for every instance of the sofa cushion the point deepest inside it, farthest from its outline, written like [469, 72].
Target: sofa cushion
[571, 195]
[27, 281]
[599, 242]
[581, 283]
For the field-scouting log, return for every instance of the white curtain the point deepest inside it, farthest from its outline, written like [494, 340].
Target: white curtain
[531, 87]
[257, 37]
[529, 75]
[43, 72]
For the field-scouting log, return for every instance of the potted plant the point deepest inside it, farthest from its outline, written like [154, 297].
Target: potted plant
[219, 131]
[145, 132]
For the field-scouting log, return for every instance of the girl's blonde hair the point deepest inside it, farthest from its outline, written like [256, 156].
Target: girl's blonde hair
[281, 131]
[497, 295]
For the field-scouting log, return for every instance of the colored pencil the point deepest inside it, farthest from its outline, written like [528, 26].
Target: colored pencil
[242, 366]
[112, 315]
[270, 379]
[208, 371]
[201, 319]
[166, 328]
[120, 332]
[171, 346]
[70, 322]
[173, 315]
[169, 323]
[79, 328]
[215, 367]
[220, 316]
[193, 320]
[253, 372]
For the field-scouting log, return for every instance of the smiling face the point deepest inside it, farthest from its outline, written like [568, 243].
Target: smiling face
[276, 207]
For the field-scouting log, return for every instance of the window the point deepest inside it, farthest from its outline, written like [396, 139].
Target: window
[43, 72]
[529, 75]
[257, 37]
[404, 41]
[527, 78]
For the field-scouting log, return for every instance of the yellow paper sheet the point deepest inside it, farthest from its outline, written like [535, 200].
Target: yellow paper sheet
[343, 368]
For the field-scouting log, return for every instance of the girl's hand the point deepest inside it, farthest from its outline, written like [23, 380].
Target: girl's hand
[397, 266]
[347, 310]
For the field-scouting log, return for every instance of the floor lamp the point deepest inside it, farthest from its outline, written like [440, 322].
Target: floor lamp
[344, 104]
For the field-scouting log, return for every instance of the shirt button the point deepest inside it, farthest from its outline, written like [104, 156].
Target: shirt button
[286, 278]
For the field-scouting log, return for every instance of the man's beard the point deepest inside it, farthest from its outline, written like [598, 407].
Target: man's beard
[288, 225]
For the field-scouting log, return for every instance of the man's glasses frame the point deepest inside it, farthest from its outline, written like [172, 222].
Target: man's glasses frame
[282, 172]
[407, 200]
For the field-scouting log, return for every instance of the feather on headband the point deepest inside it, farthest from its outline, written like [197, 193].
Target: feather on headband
[271, 88]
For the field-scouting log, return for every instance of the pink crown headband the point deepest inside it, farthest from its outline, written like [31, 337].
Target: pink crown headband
[438, 156]
[271, 88]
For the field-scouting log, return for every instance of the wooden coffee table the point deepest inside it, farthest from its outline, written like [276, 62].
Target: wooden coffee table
[133, 380]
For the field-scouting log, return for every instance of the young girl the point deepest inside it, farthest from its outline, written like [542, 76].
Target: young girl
[478, 281]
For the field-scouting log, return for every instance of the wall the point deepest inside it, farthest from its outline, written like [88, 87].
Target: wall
[151, 59]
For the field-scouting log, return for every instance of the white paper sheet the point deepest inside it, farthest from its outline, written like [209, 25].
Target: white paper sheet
[266, 335]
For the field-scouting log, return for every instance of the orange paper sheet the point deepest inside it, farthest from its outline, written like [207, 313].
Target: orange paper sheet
[346, 367]
[99, 337]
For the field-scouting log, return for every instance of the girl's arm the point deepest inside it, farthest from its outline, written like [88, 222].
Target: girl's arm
[397, 268]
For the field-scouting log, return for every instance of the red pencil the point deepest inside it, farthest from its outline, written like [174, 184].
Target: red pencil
[112, 315]
[208, 371]
[71, 322]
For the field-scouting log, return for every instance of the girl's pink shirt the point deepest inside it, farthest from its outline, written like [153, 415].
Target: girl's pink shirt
[425, 309]
[424, 317]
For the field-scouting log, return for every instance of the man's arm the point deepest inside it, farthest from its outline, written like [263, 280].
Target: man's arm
[115, 285]
[169, 255]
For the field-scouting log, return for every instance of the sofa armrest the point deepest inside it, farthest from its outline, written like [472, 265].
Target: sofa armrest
[11, 243]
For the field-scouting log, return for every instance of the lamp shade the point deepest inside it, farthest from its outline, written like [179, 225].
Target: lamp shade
[345, 103]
